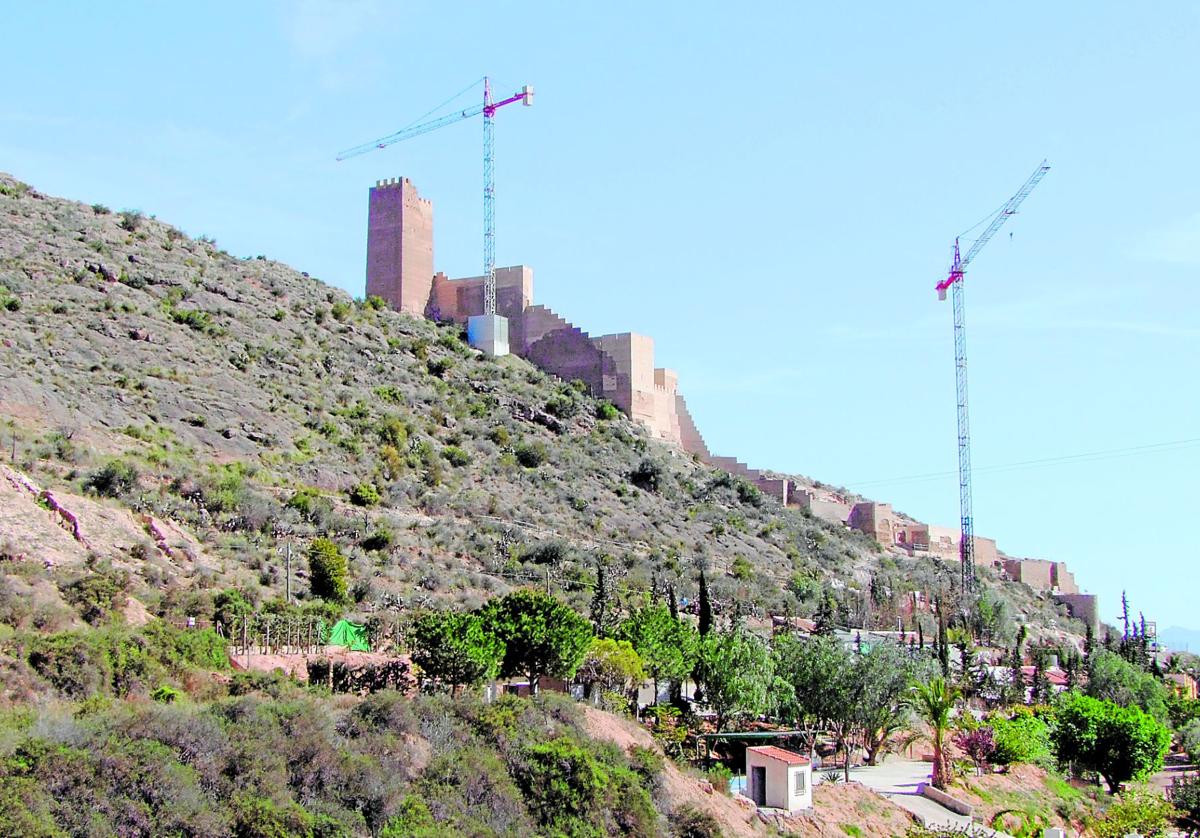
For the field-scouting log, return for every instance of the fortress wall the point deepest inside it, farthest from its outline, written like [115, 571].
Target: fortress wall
[1084, 607]
[1063, 579]
[458, 299]
[689, 435]
[876, 520]
[564, 350]
[400, 246]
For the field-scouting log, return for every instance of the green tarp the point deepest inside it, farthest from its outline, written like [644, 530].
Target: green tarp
[351, 635]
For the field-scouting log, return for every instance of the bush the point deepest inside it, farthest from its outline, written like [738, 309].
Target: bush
[1023, 738]
[1138, 811]
[607, 411]
[720, 775]
[741, 569]
[439, 366]
[690, 822]
[1190, 738]
[98, 595]
[647, 476]
[130, 220]
[456, 456]
[327, 571]
[364, 494]
[530, 454]
[552, 553]
[112, 479]
[562, 405]
[1184, 795]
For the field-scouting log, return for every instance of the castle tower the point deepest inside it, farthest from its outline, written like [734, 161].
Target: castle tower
[400, 246]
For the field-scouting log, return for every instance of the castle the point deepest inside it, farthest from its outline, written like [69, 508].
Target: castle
[620, 368]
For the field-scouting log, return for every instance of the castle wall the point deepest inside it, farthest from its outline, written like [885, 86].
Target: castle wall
[1084, 607]
[459, 299]
[877, 520]
[1063, 579]
[689, 435]
[400, 246]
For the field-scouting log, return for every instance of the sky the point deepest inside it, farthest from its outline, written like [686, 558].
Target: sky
[769, 190]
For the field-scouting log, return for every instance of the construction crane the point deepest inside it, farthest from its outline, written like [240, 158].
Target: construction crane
[488, 108]
[954, 281]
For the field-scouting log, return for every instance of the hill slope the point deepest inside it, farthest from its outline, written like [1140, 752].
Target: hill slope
[244, 405]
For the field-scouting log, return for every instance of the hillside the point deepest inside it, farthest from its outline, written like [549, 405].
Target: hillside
[243, 405]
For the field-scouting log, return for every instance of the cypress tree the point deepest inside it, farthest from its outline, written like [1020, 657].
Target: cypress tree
[706, 617]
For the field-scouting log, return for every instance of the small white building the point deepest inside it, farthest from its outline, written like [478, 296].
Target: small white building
[778, 779]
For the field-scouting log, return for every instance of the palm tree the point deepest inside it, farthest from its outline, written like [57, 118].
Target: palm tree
[934, 702]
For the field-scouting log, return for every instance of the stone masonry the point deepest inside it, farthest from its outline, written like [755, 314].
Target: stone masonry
[400, 246]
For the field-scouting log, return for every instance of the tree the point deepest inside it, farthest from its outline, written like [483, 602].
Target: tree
[813, 669]
[934, 701]
[1118, 743]
[705, 607]
[826, 616]
[327, 570]
[881, 709]
[1110, 678]
[979, 744]
[666, 646]
[454, 649]
[613, 666]
[735, 669]
[541, 635]
[602, 612]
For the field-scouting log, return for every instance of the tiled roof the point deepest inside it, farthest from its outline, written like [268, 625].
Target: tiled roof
[790, 757]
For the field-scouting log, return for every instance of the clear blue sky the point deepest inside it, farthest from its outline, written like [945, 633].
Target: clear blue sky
[769, 190]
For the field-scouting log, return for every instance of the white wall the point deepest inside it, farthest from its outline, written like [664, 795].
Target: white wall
[781, 779]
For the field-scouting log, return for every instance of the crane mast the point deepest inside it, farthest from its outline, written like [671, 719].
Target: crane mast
[488, 109]
[955, 281]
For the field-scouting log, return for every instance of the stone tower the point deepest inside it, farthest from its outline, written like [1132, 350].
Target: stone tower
[400, 246]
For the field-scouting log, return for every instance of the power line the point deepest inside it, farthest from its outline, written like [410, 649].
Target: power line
[1065, 459]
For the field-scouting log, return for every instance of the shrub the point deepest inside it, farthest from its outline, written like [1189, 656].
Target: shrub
[130, 220]
[1139, 811]
[376, 303]
[327, 571]
[112, 479]
[530, 454]
[690, 822]
[720, 775]
[499, 435]
[647, 475]
[455, 455]
[340, 310]
[551, 553]
[439, 366]
[647, 763]
[607, 411]
[741, 569]
[1022, 738]
[98, 595]
[562, 405]
[377, 541]
[1190, 738]
[364, 494]
[1184, 795]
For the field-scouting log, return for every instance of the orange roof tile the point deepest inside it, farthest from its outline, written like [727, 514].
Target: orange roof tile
[790, 757]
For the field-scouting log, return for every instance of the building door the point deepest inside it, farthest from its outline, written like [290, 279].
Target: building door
[758, 785]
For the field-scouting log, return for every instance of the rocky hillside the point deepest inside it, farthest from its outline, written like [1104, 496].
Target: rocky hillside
[196, 413]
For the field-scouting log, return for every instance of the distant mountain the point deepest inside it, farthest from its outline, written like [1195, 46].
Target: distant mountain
[1180, 639]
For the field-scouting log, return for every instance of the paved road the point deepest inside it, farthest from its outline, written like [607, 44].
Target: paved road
[898, 779]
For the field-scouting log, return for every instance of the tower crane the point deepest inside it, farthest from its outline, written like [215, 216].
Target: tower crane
[954, 281]
[488, 108]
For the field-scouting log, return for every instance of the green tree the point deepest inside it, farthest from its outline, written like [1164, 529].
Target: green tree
[541, 635]
[612, 666]
[454, 649]
[1118, 743]
[826, 616]
[736, 671]
[603, 613]
[1110, 678]
[327, 570]
[666, 646]
[705, 607]
[934, 701]
[813, 669]
[882, 676]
